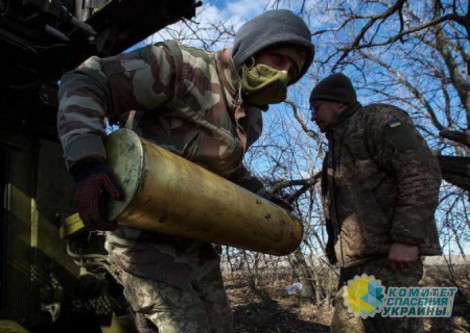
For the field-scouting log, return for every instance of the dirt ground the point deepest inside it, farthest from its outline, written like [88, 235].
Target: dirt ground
[268, 309]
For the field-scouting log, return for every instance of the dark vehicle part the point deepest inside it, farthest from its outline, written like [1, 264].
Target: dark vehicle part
[42, 39]
[50, 284]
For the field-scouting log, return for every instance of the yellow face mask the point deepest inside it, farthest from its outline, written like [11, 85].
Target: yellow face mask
[263, 84]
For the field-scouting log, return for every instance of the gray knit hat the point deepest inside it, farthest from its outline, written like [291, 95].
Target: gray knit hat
[336, 87]
[268, 29]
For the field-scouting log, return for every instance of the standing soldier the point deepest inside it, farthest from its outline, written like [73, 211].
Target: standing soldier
[203, 106]
[380, 185]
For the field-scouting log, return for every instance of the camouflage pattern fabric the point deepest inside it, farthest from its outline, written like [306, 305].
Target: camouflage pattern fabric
[191, 108]
[380, 185]
[202, 307]
[186, 101]
[345, 322]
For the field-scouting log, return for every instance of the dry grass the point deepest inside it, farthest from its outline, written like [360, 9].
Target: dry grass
[267, 308]
[460, 320]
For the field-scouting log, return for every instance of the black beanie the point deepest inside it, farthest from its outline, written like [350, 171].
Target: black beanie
[270, 28]
[336, 87]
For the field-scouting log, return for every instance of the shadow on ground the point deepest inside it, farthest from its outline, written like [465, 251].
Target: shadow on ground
[266, 315]
[458, 323]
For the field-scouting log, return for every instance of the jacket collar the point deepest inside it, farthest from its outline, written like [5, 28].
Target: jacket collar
[228, 75]
[343, 116]
[347, 113]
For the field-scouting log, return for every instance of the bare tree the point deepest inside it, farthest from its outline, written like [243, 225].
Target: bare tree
[420, 49]
[414, 54]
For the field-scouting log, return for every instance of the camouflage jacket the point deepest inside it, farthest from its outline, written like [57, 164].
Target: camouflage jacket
[181, 98]
[185, 100]
[380, 185]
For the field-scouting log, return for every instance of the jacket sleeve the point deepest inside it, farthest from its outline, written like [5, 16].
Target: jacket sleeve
[397, 147]
[108, 88]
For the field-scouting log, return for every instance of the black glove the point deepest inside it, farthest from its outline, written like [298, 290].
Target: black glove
[330, 244]
[330, 253]
[95, 182]
[283, 203]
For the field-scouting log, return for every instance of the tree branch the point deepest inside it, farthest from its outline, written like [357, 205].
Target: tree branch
[366, 27]
[309, 132]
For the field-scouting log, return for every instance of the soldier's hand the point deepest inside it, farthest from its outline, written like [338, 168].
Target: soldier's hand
[401, 256]
[281, 202]
[95, 182]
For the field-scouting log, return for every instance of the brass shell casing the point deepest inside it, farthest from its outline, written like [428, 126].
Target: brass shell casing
[169, 194]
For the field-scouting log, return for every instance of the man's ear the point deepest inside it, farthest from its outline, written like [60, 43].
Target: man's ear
[339, 106]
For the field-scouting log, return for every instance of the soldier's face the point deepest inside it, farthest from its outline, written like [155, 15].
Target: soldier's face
[278, 61]
[325, 114]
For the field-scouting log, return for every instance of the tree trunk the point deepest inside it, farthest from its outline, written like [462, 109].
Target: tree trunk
[306, 276]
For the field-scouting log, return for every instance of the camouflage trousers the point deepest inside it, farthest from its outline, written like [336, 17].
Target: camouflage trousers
[345, 322]
[200, 307]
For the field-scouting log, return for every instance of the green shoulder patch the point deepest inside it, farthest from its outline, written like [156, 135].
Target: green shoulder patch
[400, 135]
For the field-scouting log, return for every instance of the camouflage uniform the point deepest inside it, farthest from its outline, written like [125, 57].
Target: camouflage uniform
[189, 102]
[200, 307]
[191, 108]
[345, 322]
[380, 185]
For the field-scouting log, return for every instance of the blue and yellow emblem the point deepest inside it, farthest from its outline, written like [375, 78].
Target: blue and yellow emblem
[394, 123]
[363, 296]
